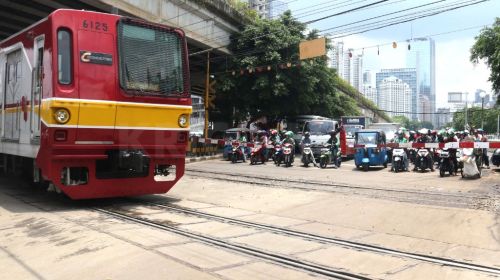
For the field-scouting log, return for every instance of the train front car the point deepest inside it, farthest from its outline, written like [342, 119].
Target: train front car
[116, 120]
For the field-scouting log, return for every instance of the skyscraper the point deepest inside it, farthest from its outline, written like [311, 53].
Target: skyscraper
[336, 58]
[370, 93]
[395, 96]
[422, 56]
[408, 76]
[268, 8]
[356, 79]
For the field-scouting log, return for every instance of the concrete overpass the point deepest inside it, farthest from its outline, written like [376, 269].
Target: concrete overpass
[207, 23]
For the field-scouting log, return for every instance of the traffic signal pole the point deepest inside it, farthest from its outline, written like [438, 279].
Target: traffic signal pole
[207, 91]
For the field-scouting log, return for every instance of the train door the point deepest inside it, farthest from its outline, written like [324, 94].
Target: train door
[36, 91]
[97, 82]
[12, 95]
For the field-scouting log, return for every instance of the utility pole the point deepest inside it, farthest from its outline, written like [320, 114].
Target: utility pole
[498, 126]
[207, 91]
[466, 112]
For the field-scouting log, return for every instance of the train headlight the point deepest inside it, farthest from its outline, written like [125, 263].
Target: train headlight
[183, 120]
[62, 115]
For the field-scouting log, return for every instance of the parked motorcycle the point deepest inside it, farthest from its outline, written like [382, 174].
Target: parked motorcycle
[257, 154]
[399, 160]
[328, 157]
[288, 154]
[237, 152]
[423, 160]
[472, 163]
[446, 163]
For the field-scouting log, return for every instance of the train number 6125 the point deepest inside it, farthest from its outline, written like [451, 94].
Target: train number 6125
[95, 25]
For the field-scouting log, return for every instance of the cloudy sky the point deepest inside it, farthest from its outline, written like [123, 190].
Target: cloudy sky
[454, 71]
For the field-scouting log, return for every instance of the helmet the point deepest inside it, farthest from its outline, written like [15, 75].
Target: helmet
[261, 132]
[307, 134]
[333, 132]
[274, 132]
[289, 134]
[423, 131]
[466, 132]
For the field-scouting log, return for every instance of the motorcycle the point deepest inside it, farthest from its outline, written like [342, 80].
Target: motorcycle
[237, 153]
[257, 154]
[288, 154]
[277, 154]
[423, 160]
[399, 160]
[307, 155]
[472, 163]
[327, 157]
[446, 163]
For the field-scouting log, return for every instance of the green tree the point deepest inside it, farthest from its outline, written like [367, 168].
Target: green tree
[308, 88]
[487, 48]
[475, 115]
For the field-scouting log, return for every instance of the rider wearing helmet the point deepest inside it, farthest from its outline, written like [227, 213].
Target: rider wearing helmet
[288, 138]
[306, 139]
[274, 138]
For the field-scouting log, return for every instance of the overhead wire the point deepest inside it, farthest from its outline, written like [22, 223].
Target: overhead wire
[433, 12]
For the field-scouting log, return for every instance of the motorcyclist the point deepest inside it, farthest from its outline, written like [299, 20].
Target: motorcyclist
[262, 136]
[424, 138]
[451, 137]
[306, 139]
[274, 138]
[288, 139]
[243, 139]
[401, 138]
[334, 142]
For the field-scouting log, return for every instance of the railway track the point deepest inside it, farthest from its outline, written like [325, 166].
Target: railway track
[268, 256]
[336, 241]
[462, 200]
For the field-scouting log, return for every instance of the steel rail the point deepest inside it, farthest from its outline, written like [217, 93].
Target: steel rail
[337, 185]
[277, 258]
[337, 241]
[265, 181]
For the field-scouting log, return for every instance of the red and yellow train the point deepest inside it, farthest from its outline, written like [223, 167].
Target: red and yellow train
[98, 103]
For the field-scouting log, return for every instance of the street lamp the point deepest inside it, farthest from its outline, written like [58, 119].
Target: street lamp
[482, 94]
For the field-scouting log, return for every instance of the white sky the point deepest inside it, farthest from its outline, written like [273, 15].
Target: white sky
[454, 71]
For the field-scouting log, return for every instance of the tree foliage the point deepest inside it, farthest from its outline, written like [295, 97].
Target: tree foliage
[475, 115]
[487, 48]
[412, 125]
[307, 89]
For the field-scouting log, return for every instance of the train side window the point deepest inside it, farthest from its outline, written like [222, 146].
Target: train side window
[64, 63]
[19, 70]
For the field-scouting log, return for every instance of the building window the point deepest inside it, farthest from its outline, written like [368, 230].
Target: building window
[64, 63]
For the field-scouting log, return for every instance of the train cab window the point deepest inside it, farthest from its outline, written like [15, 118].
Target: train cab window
[151, 60]
[64, 63]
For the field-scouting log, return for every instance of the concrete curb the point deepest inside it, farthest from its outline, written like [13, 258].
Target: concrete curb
[196, 159]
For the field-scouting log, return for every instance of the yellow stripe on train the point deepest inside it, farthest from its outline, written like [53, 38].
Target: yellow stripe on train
[97, 113]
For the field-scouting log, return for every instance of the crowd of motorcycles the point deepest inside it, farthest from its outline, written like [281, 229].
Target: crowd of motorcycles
[449, 161]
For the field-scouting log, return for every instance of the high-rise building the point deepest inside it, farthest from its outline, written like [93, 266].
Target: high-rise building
[349, 66]
[367, 77]
[422, 57]
[408, 76]
[395, 96]
[370, 93]
[444, 116]
[346, 72]
[425, 106]
[268, 9]
[356, 77]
